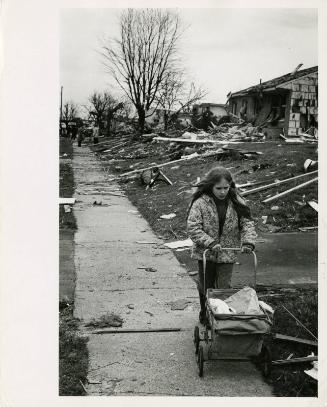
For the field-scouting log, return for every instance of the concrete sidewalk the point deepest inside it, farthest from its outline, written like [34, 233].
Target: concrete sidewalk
[111, 243]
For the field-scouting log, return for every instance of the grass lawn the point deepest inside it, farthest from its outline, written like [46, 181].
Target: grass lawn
[280, 161]
[291, 381]
[73, 353]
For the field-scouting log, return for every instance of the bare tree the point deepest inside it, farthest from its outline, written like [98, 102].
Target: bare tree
[69, 112]
[103, 106]
[176, 96]
[144, 54]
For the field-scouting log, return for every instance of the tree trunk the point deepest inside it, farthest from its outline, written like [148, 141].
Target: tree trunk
[108, 129]
[141, 120]
[166, 120]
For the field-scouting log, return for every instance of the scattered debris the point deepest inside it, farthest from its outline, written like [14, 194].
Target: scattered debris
[313, 205]
[193, 273]
[149, 177]
[294, 360]
[83, 386]
[67, 208]
[273, 198]
[179, 244]
[67, 201]
[274, 184]
[308, 228]
[314, 371]
[151, 269]
[169, 216]
[260, 167]
[310, 165]
[287, 338]
[110, 319]
[300, 323]
[145, 242]
[179, 305]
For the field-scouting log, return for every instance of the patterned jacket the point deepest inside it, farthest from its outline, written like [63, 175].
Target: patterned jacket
[203, 229]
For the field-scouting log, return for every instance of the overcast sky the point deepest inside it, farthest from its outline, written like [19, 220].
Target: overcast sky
[222, 49]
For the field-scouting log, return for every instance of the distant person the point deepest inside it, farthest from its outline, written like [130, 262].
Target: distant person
[80, 137]
[95, 135]
[218, 217]
[74, 132]
[207, 117]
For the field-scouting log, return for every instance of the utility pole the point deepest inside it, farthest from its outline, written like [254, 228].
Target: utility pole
[60, 108]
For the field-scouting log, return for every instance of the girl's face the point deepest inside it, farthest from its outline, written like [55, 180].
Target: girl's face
[221, 188]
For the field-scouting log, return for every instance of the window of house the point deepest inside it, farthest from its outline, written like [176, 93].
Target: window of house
[278, 105]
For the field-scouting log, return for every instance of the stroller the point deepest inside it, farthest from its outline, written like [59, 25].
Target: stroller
[232, 336]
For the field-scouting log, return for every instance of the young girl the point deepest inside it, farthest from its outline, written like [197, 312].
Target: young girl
[218, 217]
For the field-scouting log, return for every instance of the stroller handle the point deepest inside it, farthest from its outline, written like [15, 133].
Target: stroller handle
[236, 249]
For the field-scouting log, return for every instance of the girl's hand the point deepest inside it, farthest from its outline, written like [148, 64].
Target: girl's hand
[216, 248]
[247, 248]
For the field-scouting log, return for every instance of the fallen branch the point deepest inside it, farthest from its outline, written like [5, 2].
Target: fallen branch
[295, 360]
[80, 381]
[273, 198]
[280, 337]
[112, 193]
[274, 184]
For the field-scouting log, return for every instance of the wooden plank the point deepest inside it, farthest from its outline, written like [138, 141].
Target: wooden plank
[294, 360]
[133, 331]
[273, 198]
[167, 163]
[281, 337]
[184, 140]
[274, 184]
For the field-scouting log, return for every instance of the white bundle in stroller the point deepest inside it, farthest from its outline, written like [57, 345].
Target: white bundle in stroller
[245, 302]
[220, 307]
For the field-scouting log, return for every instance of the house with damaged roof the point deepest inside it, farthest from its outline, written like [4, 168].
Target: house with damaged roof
[285, 105]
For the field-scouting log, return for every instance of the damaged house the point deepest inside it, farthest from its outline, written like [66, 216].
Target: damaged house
[285, 105]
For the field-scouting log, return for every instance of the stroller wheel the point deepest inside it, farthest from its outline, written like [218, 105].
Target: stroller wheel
[200, 361]
[265, 360]
[196, 339]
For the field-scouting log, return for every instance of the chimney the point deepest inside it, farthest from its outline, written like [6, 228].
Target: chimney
[296, 69]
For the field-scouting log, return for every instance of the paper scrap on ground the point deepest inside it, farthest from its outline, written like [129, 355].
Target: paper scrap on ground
[67, 201]
[314, 205]
[179, 244]
[314, 371]
[169, 216]
[67, 208]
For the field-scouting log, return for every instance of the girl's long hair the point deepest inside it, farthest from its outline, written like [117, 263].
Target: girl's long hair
[213, 177]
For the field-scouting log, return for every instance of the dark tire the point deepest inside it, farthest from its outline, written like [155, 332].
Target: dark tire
[265, 360]
[206, 336]
[200, 361]
[196, 339]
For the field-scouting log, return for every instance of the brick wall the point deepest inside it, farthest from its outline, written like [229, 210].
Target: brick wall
[303, 103]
